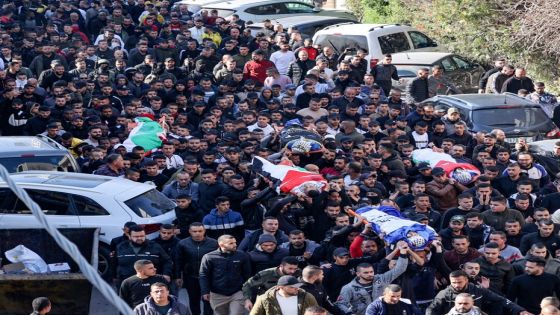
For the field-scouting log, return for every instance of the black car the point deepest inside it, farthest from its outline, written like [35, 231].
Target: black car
[516, 116]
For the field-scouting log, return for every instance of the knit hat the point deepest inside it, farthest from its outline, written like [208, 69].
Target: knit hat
[266, 238]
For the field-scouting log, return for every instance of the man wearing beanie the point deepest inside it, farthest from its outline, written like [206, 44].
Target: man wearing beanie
[266, 254]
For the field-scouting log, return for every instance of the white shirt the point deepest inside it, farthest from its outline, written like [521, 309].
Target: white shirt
[197, 33]
[102, 36]
[421, 140]
[282, 60]
[288, 305]
[174, 161]
[267, 130]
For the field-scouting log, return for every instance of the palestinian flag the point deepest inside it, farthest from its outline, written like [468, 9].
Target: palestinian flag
[293, 179]
[147, 133]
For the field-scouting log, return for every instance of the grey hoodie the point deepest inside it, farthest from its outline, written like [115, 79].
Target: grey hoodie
[149, 307]
[354, 297]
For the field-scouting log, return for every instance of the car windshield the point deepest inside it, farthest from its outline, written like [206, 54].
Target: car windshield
[37, 163]
[341, 42]
[150, 204]
[508, 116]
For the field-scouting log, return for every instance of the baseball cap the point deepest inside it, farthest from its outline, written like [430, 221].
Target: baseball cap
[291, 87]
[289, 281]
[436, 171]
[422, 166]
[490, 135]
[346, 139]
[340, 252]
[457, 218]
[44, 108]
[452, 110]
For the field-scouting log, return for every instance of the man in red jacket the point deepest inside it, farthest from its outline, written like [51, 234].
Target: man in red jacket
[256, 68]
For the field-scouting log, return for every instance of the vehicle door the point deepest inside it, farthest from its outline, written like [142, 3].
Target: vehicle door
[55, 205]
[93, 214]
[452, 72]
[471, 73]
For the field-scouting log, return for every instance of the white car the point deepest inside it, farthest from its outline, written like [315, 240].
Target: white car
[259, 10]
[74, 200]
[377, 39]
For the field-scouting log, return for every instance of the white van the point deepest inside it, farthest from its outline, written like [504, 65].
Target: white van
[377, 39]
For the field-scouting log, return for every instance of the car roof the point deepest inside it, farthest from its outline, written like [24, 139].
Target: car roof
[358, 29]
[27, 144]
[418, 58]
[478, 101]
[96, 183]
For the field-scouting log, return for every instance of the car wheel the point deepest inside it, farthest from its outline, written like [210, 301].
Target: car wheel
[103, 261]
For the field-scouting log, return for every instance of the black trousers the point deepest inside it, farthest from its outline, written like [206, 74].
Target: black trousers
[193, 288]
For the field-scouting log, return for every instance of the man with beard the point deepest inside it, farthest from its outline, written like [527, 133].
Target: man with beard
[367, 286]
[138, 247]
[489, 301]
[42, 62]
[312, 278]
[464, 305]
[529, 289]
[266, 279]
[286, 298]
[300, 247]
[256, 68]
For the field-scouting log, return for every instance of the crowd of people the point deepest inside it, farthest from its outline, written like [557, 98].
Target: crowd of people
[80, 72]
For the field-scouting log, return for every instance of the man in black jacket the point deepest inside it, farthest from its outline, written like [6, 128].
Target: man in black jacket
[136, 288]
[138, 247]
[222, 274]
[312, 278]
[489, 301]
[188, 256]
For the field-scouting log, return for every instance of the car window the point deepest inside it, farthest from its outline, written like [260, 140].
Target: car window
[60, 163]
[51, 202]
[393, 43]
[341, 42]
[267, 9]
[150, 204]
[8, 201]
[461, 63]
[448, 65]
[87, 206]
[419, 40]
[509, 117]
[296, 7]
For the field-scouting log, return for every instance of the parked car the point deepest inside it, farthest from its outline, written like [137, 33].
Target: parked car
[35, 153]
[193, 6]
[463, 74]
[516, 116]
[259, 10]
[307, 25]
[75, 200]
[378, 39]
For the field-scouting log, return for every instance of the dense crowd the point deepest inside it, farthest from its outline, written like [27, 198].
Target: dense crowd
[81, 72]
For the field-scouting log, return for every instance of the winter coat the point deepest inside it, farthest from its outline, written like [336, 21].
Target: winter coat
[125, 257]
[149, 307]
[251, 240]
[261, 260]
[380, 308]
[489, 301]
[189, 254]
[267, 304]
[224, 273]
[500, 274]
[354, 298]
[217, 224]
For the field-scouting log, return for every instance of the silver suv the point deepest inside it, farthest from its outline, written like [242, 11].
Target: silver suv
[20, 154]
